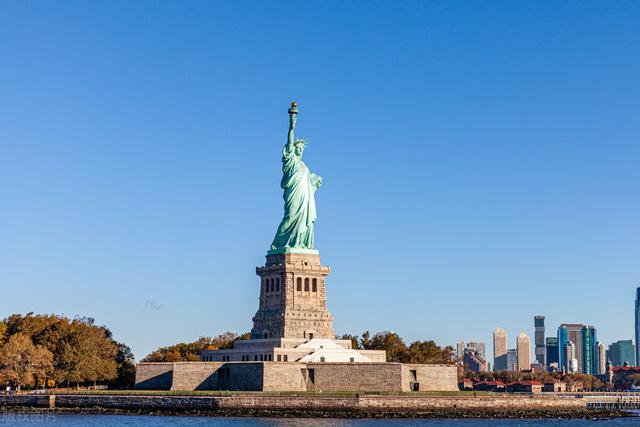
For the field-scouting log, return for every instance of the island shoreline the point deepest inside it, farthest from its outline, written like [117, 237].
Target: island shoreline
[309, 406]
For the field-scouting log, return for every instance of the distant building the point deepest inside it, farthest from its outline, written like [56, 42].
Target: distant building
[525, 387]
[540, 349]
[589, 351]
[621, 352]
[523, 347]
[568, 332]
[602, 359]
[465, 384]
[499, 350]
[621, 376]
[537, 367]
[512, 360]
[473, 361]
[460, 349]
[478, 347]
[555, 386]
[569, 356]
[552, 351]
[583, 339]
[573, 366]
[495, 386]
[637, 325]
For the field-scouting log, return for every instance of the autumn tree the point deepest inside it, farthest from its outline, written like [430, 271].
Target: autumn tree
[82, 351]
[98, 355]
[184, 352]
[633, 379]
[3, 332]
[579, 381]
[22, 362]
[86, 353]
[428, 352]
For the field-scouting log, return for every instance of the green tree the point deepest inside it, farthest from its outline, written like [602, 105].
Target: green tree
[125, 361]
[394, 346]
[365, 340]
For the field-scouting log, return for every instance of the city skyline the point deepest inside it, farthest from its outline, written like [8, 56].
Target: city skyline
[472, 155]
[590, 353]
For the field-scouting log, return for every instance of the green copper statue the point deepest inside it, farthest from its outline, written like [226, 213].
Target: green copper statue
[295, 233]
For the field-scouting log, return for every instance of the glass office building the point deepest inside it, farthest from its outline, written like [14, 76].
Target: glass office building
[621, 352]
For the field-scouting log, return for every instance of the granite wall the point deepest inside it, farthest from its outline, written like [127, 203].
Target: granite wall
[294, 376]
[316, 405]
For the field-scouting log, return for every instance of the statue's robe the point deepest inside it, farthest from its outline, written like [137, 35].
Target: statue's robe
[299, 185]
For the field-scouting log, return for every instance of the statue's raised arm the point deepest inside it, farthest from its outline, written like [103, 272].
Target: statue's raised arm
[295, 233]
[293, 113]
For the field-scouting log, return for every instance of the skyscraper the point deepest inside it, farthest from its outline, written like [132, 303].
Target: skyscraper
[621, 352]
[589, 356]
[478, 347]
[460, 349]
[602, 359]
[570, 332]
[473, 361]
[523, 347]
[538, 322]
[637, 326]
[571, 364]
[499, 350]
[552, 352]
[512, 360]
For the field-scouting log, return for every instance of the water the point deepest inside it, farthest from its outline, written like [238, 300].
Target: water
[162, 421]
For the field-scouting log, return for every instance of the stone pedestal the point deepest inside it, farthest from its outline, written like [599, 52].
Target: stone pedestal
[293, 298]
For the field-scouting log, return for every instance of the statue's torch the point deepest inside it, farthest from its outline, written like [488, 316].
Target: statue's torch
[293, 109]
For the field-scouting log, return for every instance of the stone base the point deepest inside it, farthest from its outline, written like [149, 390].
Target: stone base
[293, 298]
[293, 251]
[274, 376]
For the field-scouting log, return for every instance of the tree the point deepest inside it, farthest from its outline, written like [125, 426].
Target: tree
[183, 352]
[82, 351]
[429, 352]
[3, 332]
[578, 382]
[98, 355]
[21, 362]
[365, 340]
[633, 379]
[391, 343]
[86, 353]
[125, 361]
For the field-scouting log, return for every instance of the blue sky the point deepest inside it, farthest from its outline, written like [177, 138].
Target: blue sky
[480, 162]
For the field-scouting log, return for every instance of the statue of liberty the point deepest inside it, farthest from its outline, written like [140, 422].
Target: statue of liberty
[295, 233]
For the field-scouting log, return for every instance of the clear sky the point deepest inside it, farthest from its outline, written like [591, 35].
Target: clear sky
[481, 162]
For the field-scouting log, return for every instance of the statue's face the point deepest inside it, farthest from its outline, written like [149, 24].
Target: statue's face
[299, 149]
